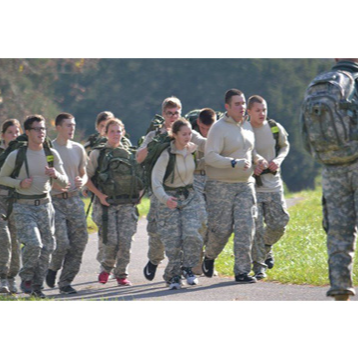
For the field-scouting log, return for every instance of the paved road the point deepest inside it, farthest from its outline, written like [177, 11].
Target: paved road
[210, 289]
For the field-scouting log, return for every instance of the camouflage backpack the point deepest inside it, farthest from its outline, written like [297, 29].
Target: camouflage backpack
[329, 118]
[156, 147]
[119, 175]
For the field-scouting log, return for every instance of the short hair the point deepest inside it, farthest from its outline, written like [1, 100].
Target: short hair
[231, 93]
[171, 102]
[207, 116]
[103, 116]
[181, 122]
[255, 99]
[29, 120]
[61, 117]
[9, 123]
[114, 121]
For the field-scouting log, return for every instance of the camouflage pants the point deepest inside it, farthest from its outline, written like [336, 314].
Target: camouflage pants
[340, 190]
[122, 225]
[9, 247]
[155, 245]
[271, 208]
[199, 187]
[179, 230]
[231, 208]
[71, 238]
[35, 229]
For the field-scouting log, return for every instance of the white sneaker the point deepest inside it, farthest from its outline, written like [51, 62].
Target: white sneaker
[12, 285]
[175, 283]
[191, 279]
[4, 288]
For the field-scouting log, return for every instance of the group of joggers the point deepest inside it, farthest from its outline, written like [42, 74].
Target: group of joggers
[204, 185]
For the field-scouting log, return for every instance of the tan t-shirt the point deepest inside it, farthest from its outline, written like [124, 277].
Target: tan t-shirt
[265, 146]
[74, 159]
[36, 162]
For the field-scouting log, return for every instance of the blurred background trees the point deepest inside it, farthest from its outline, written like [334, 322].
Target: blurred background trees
[133, 89]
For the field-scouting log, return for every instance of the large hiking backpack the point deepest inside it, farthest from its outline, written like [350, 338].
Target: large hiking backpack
[193, 115]
[119, 175]
[156, 124]
[329, 118]
[156, 147]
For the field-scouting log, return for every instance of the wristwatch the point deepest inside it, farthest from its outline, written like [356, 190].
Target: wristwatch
[233, 163]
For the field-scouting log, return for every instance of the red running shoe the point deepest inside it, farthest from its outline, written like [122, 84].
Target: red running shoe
[123, 282]
[103, 277]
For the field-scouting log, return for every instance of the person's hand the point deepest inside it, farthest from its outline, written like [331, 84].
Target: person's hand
[172, 202]
[102, 198]
[79, 182]
[273, 166]
[243, 164]
[26, 183]
[51, 172]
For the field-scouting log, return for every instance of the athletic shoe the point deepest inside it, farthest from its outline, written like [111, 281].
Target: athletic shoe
[38, 294]
[191, 279]
[12, 285]
[208, 267]
[270, 262]
[51, 278]
[4, 287]
[175, 283]
[124, 282]
[103, 277]
[26, 286]
[260, 275]
[149, 271]
[68, 290]
[245, 278]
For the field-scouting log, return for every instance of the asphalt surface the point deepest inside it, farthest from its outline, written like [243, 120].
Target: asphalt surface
[209, 289]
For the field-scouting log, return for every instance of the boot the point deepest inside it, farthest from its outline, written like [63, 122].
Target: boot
[12, 285]
[4, 288]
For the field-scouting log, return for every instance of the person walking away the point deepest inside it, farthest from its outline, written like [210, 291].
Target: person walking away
[329, 117]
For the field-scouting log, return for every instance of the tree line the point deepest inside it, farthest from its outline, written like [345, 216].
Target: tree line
[133, 90]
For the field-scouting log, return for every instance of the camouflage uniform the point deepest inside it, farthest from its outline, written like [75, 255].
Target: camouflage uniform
[122, 225]
[179, 230]
[35, 229]
[231, 208]
[271, 208]
[71, 236]
[9, 247]
[339, 181]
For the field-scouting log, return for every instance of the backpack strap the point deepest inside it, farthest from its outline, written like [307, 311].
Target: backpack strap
[275, 132]
[170, 167]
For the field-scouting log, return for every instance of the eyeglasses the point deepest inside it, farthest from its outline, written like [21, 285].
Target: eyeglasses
[172, 114]
[39, 129]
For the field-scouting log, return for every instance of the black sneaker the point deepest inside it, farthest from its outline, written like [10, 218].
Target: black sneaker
[245, 278]
[38, 294]
[68, 290]
[26, 286]
[208, 267]
[270, 262]
[51, 278]
[149, 271]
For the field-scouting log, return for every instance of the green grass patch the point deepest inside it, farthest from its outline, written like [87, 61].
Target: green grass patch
[301, 254]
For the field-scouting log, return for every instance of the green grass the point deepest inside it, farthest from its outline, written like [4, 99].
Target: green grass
[301, 254]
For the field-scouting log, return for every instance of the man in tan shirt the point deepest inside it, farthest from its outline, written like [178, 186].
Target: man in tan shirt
[231, 201]
[33, 211]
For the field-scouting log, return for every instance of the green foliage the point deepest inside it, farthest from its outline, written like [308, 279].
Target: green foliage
[133, 89]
